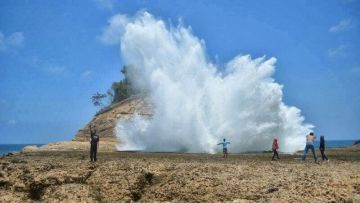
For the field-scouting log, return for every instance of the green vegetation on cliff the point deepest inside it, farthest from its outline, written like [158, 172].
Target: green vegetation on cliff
[119, 91]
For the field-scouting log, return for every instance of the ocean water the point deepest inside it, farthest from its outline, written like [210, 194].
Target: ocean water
[335, 143]
[6, 148]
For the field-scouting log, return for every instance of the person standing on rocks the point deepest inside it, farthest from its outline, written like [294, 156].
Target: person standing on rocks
[310, 145]
[275, 147]
[322, 148]
[94, 144]
[225, 150]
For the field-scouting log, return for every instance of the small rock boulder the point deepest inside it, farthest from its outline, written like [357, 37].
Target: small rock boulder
[29, 148]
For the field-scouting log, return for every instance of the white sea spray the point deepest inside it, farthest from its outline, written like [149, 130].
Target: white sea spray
[196, 105]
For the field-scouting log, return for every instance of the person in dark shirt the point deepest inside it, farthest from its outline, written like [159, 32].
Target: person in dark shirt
[94, 144]
[322, 148]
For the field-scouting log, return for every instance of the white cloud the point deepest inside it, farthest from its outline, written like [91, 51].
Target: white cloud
[338, 51]
[12, 122]
[14, 40]
[341, 26]
[54, 69]
[87, 74]
[105, 4]
[113, 31]
[49, 67]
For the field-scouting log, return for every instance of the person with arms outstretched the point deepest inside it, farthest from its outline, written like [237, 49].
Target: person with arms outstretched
[94, 144]
[225, 150]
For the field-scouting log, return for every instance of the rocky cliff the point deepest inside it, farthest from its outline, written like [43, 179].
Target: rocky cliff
[105, 120]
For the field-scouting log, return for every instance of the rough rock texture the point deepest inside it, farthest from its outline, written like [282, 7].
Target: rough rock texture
[104, 146]
[68, 176]
[105, 120]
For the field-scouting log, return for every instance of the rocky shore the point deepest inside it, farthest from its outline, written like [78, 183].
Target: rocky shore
[68, 176]
[61, 172]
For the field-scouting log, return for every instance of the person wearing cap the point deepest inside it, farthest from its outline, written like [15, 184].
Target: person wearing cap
[310, 145]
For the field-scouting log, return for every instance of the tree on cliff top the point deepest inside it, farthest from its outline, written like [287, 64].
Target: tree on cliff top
[122, 90]
[119, 91]
[98, 99]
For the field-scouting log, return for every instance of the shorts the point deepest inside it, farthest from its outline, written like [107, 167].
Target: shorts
[225, 151]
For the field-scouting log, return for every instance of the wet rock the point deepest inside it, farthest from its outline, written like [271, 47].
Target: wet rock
[148, 177]
[271, 190]
[4, 183]
[36, 190]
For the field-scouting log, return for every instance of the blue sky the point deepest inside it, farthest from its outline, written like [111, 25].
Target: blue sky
[52, 59]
